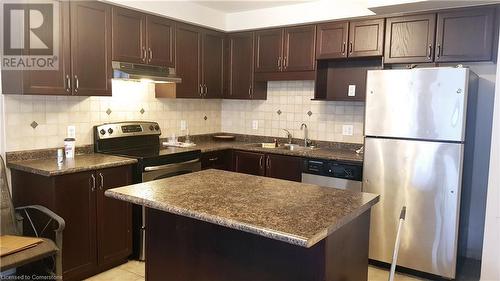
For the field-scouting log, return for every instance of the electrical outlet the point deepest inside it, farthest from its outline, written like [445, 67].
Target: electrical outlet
[347, 130]
[71, 132]
[255, 124]
[351, 92]
[183, 125]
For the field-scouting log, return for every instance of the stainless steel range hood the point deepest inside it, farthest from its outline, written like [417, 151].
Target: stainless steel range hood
[143, 72]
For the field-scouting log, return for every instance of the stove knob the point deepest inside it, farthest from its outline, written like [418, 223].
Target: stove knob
[151, 127]
[102, 132]
[110, 131]
[157, 127]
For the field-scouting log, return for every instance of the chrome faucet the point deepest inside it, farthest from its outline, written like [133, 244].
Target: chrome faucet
[307, 142]
[289, 136]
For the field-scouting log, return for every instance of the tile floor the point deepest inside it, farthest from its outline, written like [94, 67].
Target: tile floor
[134, 271]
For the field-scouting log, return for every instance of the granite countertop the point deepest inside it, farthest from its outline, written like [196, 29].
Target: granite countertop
[296, 213]
[318, 153]
[84, 162]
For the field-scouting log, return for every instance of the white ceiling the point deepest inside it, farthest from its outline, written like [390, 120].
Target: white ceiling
[241, 5]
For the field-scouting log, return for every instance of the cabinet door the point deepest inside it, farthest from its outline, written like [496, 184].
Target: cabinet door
[114, 228]
[75, 198]
[240, 65]
[129, 35]
[213, 56]
[188, 61]
[284, 167]
[216, 160]
[366, 38]
[268, 50]
[465, 35]
[332, 40]
[91, 48]
[299, 48]
[160, 37]
[410, 39]
[43, 82]
[249, 163]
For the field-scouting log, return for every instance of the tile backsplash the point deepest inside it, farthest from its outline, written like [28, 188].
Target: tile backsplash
[136, 101]
[288, 105]
[130, 101]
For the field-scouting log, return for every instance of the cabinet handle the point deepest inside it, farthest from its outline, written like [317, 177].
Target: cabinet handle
[343, 47]
[350, 47]
[101, 186]
[77, 84]
[285, 62]
[213, 159]
[268, 162]
[261, 162]
[279, 63]
[206, 89]
[250, 91]
[68, 83]
[429, 54]
[93, 182]
[201, 90]
[150, 54]
[144, 55]
[438, 51]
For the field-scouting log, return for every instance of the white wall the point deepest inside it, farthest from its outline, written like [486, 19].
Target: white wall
[490, 269]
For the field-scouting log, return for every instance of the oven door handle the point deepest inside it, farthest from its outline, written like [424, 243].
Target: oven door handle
[162, 167]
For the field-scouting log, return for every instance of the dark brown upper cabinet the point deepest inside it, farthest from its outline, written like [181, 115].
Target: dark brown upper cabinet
[129, 35]
[141, 38]
[213, 64]
[188, 61]
[410, 39]
[285, 49]
[84, 55]
[332, 40]
[366, 38]
[90, 48]
[299, 48]
[465, 35]
[363, 38]
[240, 66]
[269, 50]
[160, 41]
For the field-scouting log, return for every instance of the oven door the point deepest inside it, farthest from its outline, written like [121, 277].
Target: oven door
[170, 170]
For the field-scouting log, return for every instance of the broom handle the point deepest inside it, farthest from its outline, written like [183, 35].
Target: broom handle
[396, 246]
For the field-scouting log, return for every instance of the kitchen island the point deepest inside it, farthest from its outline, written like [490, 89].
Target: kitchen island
[218, 225]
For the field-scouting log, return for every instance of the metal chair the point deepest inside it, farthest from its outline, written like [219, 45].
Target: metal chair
[37, 221]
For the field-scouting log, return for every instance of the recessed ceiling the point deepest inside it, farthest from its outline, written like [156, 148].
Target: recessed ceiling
[243, 5]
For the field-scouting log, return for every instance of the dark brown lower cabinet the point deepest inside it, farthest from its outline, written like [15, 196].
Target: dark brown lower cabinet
[252, 163]
[97, 235]
[269, 165]
[284, 167]
[221, 160]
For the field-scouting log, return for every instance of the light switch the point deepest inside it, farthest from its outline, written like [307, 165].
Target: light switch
[71, 132]
[183, 125]
[255, 124]
[351, 91]
[347, 130]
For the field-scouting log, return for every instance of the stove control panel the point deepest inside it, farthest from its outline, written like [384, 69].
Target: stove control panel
[126, 129]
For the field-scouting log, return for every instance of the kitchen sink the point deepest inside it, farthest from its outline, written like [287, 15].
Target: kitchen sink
[291, 147]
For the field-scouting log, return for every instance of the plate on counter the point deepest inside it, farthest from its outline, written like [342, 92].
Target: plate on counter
[224, 137]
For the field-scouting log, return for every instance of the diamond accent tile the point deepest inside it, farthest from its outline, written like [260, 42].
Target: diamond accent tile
[309, 113]
[108, 111]
[142, 111]
[279, 112]
[205, 118]
[34, 124]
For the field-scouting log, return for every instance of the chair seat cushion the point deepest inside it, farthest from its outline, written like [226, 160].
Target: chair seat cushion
[40, 251]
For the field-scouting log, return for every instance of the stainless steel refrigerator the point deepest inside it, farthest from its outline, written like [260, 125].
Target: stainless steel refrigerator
[418, 136]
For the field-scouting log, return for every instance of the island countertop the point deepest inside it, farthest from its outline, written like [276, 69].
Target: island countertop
[296, 213]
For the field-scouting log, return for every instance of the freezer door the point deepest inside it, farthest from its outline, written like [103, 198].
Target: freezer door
[426, 178]
[427, 103]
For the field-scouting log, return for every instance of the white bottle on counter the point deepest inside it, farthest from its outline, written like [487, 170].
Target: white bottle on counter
[69, 148]
[60, 157]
